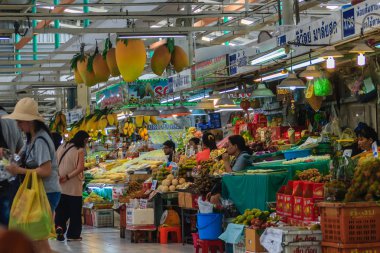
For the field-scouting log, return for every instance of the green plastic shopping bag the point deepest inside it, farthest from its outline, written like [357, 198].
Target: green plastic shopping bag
[322, 87]
[31, 212]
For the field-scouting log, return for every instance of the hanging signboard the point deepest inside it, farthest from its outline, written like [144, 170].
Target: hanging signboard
[209, 71]
[364, 15]
[111, 96]
[147, 89]
[322, 31]
[180, 81]
[74, 115]
[236, 61]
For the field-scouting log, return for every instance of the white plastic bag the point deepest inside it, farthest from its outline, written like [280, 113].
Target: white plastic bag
[205, 206]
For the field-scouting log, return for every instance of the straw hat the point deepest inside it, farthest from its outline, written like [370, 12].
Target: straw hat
[26, 109]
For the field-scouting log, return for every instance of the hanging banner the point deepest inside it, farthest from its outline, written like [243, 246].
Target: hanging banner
[364, 15]
[180, 81]
[209, 71]
[322, 31]
[147, 89]
[111, 96]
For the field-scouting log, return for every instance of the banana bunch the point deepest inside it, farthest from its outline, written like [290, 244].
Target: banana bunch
[58, 123]
[129, 128]
[143, 132]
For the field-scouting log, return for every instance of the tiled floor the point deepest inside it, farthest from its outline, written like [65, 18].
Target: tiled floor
[107, 240]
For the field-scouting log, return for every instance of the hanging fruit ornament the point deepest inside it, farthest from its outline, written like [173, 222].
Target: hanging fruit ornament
[73, 66]
[179, 59]
[109, 55]
[293, 106]
[130, 58]
[161, 57]
[88, 77]
[99, 66]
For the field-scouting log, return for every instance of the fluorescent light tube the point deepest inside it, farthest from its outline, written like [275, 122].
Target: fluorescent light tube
[272, 76]
[170, 100]
[234, 89]
[198, 98]
[270, 56]
[246, 22]
[151, 36]
[307, 63]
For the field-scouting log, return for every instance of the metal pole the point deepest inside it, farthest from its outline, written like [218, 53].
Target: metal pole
[56, 25]
[86, 22]
[34, 24]
[279, 7]
[190, 37]
[17, 56]
[225, 20]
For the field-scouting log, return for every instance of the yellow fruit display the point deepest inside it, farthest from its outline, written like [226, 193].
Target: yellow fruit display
[109, 55]
[129, 128]
[130, 58]
[111, 119]
[153, 119]
[160, 60]
[146, 119]
[139, 121]
[88, 77]
[58, 123]
[143, 132]
[179, 59]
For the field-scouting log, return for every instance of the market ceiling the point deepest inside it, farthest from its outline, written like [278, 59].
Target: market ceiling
[210, 22]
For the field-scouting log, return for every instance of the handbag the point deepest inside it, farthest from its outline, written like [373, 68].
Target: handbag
[31, 212]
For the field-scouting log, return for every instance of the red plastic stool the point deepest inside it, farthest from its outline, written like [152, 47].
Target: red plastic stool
[207, 245]
[164, 232]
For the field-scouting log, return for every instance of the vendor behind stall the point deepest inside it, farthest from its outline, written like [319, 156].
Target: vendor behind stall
[169, 150]
[193, 143]
[366, 137]
[242, 154]
[209, 144]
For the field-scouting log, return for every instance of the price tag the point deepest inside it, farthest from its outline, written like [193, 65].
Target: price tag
[154, 185]
[374, 150]
[143, 203]
[347, 152]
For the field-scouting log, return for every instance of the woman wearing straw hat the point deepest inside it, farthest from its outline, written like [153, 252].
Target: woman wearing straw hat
[37, 154]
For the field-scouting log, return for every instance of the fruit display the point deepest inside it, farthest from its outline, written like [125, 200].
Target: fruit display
[186, 164]
[206, 165]
[202, 184]
[256, 219]
[160, 174]
[129, 128]
[58, 123]
[170, 184]
[217, 168]
[135, 191]
[109, 55]
[130, 58]
[94, 198]
[217, 153]
[365, 185]
[143, 132]
[312, 175]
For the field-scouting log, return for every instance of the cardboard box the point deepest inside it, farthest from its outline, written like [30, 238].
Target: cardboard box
[191, 200]
[288, 205]
[298, 208]
[280, 203]
[252, 240]
[181, 199]
[314, 247]
[140, 216]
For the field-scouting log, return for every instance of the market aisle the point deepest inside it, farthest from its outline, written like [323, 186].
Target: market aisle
[107, 240]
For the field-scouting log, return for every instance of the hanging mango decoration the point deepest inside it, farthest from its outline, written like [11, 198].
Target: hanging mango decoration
[99, 66]
[81, 61]
[179, 59]
[161, 58]
[109, 55]
[130, 58]
[73, 66]
[58, 123]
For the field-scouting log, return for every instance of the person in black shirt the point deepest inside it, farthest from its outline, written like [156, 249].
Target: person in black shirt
[169, 149]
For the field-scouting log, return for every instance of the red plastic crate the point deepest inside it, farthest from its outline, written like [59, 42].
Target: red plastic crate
[354, 222]
[328, 247]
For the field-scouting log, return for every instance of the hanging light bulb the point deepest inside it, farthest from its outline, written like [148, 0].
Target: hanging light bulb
[330, 62]
[361, 59]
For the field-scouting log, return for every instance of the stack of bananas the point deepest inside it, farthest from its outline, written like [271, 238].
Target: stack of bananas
[143, 132]
[145, 119]
[129, 128]
[58, 123]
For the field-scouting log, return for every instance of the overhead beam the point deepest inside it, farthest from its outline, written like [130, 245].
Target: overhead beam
[36, 68]
[39, 53]
[41, 83]
[46, 61]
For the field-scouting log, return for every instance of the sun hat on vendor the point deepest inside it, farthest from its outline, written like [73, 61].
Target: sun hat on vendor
[25, 110]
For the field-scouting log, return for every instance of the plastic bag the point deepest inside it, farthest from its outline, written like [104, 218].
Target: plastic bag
[205, 206]
[322, 87]
[31, 212]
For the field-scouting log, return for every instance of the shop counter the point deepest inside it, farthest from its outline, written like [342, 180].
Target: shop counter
[253, 191]
[322, 166]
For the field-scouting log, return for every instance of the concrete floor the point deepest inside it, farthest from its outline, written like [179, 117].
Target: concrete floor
[107, 240]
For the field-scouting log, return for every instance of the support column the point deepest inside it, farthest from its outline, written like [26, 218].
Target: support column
[57, 40]
[34, 24]
[225, 20]
[287, 12]
[17, 56]
[190, 36]
[86, 22]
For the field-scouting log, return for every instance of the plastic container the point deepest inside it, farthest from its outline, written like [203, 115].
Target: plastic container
[87, 217]
[209, 225]
[293, 154]
[102, 218]
[328, 247]
[354, 222]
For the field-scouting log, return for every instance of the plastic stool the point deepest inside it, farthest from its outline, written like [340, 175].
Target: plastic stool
[207, 245]
[164, 233]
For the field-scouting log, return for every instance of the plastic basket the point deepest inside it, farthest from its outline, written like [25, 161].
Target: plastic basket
[293, 154]
[354, 222]
[328, 247]
[102, 218]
